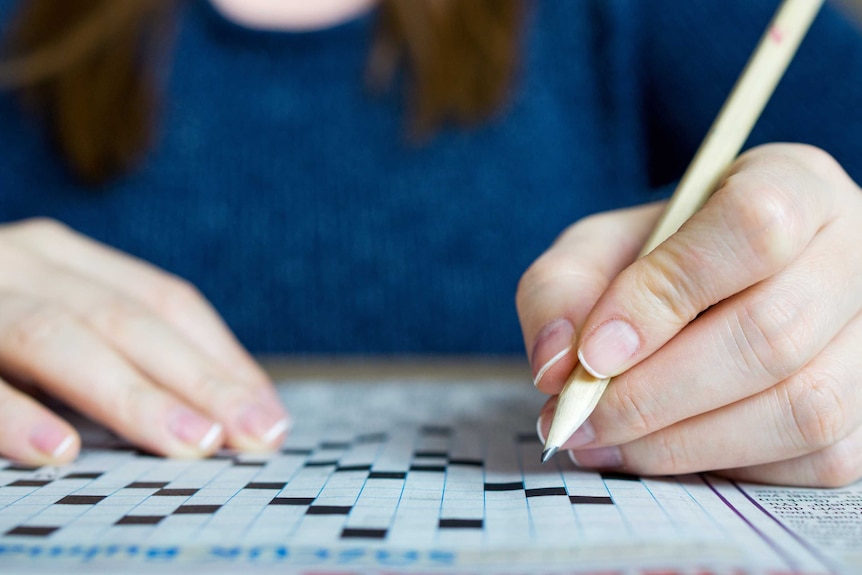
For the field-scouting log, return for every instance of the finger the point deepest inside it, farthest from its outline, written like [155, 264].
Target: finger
[762, 217]
[48, 345]
[557, 291]
[31, 434]
[739, 347]
[835, 466]
[816, 408]
[175, 300]
[251, 412]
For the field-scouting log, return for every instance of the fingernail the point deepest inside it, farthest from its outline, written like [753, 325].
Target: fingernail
[600, 458]
[553, 343]
[194, 429]
[582, 436]
[264, 421]
[51, 439]
[543, 423]
[540, 430]
[609, 348]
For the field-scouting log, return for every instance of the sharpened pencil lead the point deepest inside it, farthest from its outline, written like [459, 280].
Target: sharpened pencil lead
[549, 453]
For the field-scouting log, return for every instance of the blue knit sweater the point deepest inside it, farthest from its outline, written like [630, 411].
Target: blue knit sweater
[289, 195]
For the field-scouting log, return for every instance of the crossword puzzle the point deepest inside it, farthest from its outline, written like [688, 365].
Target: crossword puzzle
[417, 487]
[366, 478]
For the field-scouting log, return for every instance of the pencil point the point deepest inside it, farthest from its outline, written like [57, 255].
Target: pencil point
[549, 453]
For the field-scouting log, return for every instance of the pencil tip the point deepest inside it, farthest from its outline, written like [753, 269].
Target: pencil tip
[549, 453]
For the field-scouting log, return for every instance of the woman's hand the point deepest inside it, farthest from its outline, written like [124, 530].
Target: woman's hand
[736, 345]
[128, 345]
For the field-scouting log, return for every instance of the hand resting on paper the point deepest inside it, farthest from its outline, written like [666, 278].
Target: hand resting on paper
[736, 345]
[126, 344]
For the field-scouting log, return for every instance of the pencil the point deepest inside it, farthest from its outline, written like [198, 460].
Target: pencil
[725, 138]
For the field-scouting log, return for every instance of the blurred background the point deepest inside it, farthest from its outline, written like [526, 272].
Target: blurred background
[854, 6]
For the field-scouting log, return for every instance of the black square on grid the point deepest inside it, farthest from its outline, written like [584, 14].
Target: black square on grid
[19, 468]
[371, 438]
[461, 523]
[264, 485]
[249, 463]
[619, 476]
[362, 533]
[546, 491]
[29, 483]
[296, 451]
[429, 468]
[296, 501]
[146, 485]
[80, 500]
[32, 531]
[328, 510]
[527, 438]
[467, 462]
[387, 475]
[196, 509]
[347, 468]
[175, 492]
[513, 486]
[590, 500]
[222, 455]
[436, 430]
[83, 475]
[139, 520]
[335, 445]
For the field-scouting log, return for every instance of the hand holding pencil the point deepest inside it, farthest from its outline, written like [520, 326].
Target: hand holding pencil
[723, 354]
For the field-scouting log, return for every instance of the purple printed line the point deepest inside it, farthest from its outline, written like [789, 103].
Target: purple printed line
[775, 547]
[805, 544]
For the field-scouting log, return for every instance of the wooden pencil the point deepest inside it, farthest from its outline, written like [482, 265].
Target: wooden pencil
[725, 138]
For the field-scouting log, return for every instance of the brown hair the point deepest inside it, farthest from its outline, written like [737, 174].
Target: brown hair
[88, 67]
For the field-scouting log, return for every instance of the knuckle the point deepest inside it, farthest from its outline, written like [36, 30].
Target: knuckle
[764, 218]
[545, 270]
[222, 397]
[36, 325]
[174, 297]
[115, 316]
[666, 287]
[130, 404]
[838, 466]
[564, 263]
[671, 452]
[817, 415]
[536, 274]
[663, 453]
[774, 336]
[636, 412]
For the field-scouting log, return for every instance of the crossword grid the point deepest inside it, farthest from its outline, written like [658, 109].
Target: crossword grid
[430, 485]
[456, 480]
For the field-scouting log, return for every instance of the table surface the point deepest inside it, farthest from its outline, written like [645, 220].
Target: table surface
[364, 368]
